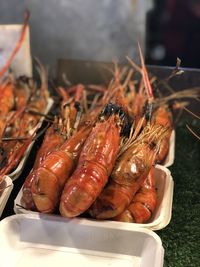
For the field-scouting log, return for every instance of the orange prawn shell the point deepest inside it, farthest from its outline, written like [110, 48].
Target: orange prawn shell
[127, 176]
[129, 172]
[135, 161]
[143, 203]
[102, 144]
[94, 167]
[52, 141]
[54, 163]
[163, 116]
[6, 98]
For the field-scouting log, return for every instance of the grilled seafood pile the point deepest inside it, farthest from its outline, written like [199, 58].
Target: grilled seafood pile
[98, 156]
[22, 102]
[20, 109]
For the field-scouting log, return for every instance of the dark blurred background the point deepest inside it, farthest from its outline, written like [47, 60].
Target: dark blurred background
[108, 29]
[173, 30]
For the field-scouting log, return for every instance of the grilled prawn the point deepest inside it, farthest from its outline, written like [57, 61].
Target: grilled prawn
[143, 203]
[128, 174]
[95, 164]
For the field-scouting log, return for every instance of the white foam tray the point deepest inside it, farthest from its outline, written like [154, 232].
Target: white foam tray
[44, 240]
[18, 170]
[161, 216]
[5, 193]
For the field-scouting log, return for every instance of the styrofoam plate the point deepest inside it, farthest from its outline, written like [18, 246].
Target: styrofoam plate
[18, 170]
[6, 187]
[161, 216]
[47, 240]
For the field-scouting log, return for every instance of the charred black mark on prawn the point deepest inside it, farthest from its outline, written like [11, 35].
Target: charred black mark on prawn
[111, 109]
[125, 120]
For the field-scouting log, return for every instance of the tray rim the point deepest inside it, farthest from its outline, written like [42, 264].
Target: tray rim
[78, 221]
[6, 193]
[158, 224]
[159, 250]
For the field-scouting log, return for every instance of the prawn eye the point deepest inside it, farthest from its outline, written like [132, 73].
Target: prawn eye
[110, 109]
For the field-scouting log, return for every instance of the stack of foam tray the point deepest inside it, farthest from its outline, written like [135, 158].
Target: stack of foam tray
[48, 239]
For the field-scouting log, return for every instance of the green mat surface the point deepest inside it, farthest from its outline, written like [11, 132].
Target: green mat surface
[181, 238]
